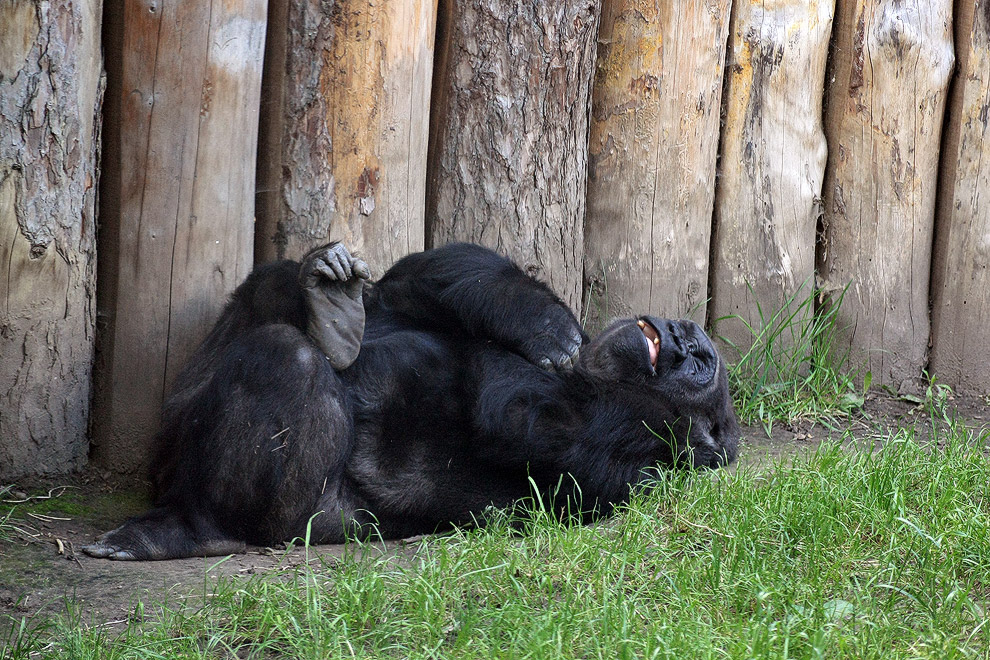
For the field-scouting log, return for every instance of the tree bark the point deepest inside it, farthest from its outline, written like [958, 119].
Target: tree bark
[772, 165]
[177, 205]
[509, 140]
[891, 67]
[51, 90]
[651, 172]
[961, 286]
[345, 130]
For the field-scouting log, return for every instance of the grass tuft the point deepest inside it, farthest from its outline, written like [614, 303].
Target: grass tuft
[792, 369]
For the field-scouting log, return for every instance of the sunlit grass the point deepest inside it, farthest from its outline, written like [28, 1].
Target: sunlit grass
[880, 554]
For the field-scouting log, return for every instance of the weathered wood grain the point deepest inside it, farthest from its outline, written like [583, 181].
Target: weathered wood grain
[772, 163]
[891, 66]
[51, 90]
[960, 354]
[179, 209]
[509, 141]
[346, 128]
[651, 170]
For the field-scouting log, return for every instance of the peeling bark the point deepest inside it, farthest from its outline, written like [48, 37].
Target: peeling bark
[891, 66]
[651, 171]
[345, 130]
[509, 140]
[772, 165]
[51, 90]
[961, 285]
[177, 201]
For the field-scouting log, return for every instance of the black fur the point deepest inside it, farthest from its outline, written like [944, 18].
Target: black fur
[469, 382]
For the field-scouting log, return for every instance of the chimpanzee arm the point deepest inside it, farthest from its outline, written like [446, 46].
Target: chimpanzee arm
[463, 288]
[560, 430]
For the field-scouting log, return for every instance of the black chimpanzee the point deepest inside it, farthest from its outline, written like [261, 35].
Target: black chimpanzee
[413, 404]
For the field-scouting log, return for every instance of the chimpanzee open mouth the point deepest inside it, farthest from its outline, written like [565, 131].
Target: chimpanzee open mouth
[652, 340]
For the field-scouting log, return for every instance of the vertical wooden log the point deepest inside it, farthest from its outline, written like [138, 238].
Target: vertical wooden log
[51, 90]
[961, 285]
[345, 139]
[179, 209]
[772, 165]
[891, 65]
[651, 169]
[509, 141]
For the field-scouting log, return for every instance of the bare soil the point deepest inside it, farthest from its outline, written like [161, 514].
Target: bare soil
[42, 569]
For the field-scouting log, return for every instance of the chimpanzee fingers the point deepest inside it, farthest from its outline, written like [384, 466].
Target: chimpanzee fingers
[572, 359]
[554, 349]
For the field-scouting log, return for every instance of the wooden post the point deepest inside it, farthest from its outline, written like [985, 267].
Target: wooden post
[51, 90]
[651, 169]
[961, 285]
[509, 140]
[345, 129]
[178, 200]
[772, 165]
[891, 67]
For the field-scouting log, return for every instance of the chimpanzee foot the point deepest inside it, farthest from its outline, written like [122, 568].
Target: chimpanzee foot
[161, 534]
[333, 283]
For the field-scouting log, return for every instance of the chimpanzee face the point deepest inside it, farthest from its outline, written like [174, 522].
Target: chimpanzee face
[675, 367]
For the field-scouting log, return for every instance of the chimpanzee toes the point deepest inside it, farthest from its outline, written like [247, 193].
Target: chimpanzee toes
[103, 550]
[331, 263]
[98, 550]
[360, 269]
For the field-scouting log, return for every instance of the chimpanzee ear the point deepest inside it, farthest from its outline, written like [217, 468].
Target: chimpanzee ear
[336, 320]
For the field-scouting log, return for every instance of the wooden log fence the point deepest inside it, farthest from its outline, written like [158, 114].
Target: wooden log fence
[961, 285]
[178, 200]
[892, 64]
[509, 145]
[50, 96]
[651, 170]
[679, 159]
[773, 161]
[345, 131]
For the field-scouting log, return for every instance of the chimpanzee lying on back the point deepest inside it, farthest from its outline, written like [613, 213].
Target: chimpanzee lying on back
[468, 383]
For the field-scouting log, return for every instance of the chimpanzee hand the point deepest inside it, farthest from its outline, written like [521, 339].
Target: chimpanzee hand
[555, 340]
[333, 281]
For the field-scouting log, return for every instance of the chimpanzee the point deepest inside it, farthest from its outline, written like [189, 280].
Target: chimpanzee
[453, 384]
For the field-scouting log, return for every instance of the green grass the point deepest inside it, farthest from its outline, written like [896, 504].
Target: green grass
[837, 554]
[791, 368]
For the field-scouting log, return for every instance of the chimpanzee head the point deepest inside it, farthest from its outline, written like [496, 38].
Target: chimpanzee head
[678, 381]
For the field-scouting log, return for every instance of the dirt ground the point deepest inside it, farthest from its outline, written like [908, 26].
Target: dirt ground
[42, 569]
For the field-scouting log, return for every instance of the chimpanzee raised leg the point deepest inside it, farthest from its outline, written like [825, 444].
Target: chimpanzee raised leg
[260, 424]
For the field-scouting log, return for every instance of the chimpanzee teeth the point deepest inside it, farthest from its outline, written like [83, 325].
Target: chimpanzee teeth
[641, 324]
[656, 341]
